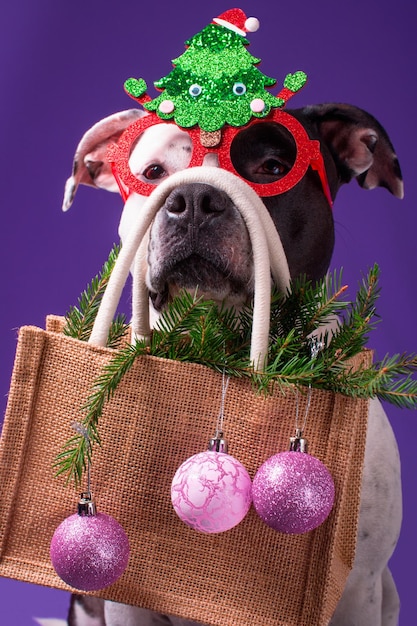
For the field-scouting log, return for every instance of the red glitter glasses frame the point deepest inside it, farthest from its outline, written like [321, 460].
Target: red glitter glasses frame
[308, 155]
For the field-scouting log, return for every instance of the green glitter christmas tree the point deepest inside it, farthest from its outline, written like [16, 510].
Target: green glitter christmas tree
[215, 81]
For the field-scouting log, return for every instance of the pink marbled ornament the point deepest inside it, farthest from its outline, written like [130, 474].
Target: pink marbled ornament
[89, 552]
[211, 492]
[293, 492]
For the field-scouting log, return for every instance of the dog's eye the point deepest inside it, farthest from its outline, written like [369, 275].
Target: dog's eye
[273, 167]
[154, 172]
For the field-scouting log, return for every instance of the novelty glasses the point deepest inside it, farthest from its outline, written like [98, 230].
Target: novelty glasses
[306, 154]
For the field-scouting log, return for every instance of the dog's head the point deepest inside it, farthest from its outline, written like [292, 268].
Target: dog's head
[198, 237]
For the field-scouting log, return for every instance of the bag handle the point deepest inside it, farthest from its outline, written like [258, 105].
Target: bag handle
[267, 250]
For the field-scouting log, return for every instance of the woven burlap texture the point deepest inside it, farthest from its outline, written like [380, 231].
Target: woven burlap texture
[162, 413]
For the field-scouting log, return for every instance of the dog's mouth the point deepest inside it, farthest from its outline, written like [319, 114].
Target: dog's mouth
[211, 279]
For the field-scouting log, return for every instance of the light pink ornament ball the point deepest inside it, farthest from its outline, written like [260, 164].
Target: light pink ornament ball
[211, 492]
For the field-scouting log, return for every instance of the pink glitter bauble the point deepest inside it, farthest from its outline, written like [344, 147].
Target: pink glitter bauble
[89, 552]
[293, 492]
[211, 492]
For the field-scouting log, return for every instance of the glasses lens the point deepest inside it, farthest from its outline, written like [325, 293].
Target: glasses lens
[263, 153]
[158, 152]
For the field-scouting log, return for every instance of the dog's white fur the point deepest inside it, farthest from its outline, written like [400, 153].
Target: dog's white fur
[370, 597]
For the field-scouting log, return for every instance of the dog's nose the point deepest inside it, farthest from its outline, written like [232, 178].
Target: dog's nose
[197, 202]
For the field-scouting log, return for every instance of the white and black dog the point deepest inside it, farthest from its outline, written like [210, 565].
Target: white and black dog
[199, 238]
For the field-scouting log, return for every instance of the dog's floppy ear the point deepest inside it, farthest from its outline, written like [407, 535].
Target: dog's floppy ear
[90, 166]
[359, 146]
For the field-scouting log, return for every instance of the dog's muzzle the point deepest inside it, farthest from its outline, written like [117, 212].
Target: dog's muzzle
[199, 240]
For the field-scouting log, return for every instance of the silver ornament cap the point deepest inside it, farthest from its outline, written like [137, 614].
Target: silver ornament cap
[298, 443]
[86, 505]
[218, 443]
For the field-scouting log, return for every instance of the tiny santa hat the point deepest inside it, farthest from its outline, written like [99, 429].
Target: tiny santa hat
[236, 20]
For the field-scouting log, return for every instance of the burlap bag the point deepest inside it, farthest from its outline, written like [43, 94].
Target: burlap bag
[162, 413]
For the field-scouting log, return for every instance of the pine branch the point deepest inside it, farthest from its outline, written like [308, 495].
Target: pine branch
[395, 383]
[79, 320]
[195, 330]
[72, 460]
[353, 332]
[306, 306]
[401, 394]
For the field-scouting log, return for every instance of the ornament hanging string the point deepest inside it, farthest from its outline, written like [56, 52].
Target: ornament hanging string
[299, 431]
[220, 418]
[316, 345]
[81, 430]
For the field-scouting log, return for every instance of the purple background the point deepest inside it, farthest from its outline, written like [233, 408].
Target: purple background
[62, 69]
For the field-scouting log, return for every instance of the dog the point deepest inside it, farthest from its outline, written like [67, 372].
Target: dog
[198, 238]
